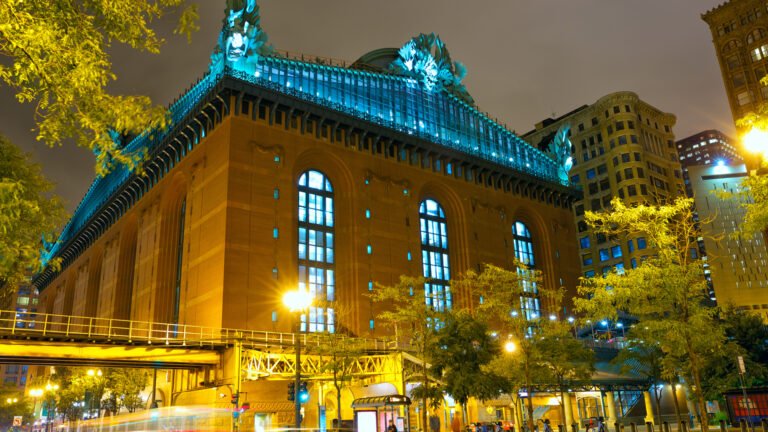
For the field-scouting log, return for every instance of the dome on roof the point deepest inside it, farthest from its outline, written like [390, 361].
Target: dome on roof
[377, 60]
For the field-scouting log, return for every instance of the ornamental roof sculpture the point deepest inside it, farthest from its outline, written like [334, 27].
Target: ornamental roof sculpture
[426, 59]
[560, 151]
[241, 41]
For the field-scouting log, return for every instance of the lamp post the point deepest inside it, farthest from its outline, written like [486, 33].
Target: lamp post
[297, 302]
[96, 375]
[50, 388]
[35, 393]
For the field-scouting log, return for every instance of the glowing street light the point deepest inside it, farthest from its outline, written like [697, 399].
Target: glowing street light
[510, 347]
[297, 301]
[756, 141]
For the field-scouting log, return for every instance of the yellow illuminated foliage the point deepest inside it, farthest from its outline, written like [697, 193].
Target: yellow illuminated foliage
[58, 62]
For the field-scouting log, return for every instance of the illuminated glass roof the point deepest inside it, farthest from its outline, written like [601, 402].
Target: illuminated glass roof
[393, 101]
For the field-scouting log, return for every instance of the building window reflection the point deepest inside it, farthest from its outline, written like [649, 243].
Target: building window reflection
[434, 255]
[523, 242]
[316, 250]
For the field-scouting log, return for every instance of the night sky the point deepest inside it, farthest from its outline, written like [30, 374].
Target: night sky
[526, 59]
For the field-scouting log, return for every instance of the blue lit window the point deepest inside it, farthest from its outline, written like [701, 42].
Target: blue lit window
[590, 174]
[586, 259]
[575, 179]
[630, 246]
[589, 273]
[316, 249]
[620, 268]
[633, 263]
[529, 301]
[616, 251]
[584, 242]
[641, 243]
[604, 256]
[367, 213]
[434, 255]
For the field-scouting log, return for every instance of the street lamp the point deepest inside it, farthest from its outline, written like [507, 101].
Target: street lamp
[50, 388]
[297, 301]
[756, 141]
[510, 347]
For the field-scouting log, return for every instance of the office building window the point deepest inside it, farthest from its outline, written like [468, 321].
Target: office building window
[434, 255]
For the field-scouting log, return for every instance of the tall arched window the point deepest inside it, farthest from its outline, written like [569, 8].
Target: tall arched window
[523, 242]
[434, 255]
[316, 257]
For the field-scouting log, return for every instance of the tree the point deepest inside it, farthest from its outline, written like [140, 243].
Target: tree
[14, 403]
[460, 352]
[414, 322]
[338, 354]
[124, 387]
[499, 295]
[755, 186]
[565, 357]
[59, 62]
[27, 214]
[666, 293]
[748, 337]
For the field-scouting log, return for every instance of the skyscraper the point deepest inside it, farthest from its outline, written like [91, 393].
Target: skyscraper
[737, 265]
[623, 147]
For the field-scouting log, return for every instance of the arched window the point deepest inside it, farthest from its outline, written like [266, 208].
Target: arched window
[434, 255]
[756, 35]
[523, 243]
[316, 257]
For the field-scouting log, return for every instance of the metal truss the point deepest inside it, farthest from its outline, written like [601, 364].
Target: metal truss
[282, 366]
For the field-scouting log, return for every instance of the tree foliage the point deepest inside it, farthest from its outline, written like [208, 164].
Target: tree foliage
[666, 293]
[414, 323]
[339, 354]
[545, 350]
[59, 62]
[755, 186]
[27, 214]
[14, 403]
[460, 353]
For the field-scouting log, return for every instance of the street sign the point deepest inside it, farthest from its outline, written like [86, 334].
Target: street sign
[16, 421]
[742, 369]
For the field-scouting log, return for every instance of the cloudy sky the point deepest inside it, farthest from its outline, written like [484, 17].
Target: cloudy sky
[526, 59]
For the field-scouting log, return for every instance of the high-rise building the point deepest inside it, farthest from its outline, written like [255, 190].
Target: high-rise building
[709, 147]
[740, 37]
[623, 147]
[737, 265]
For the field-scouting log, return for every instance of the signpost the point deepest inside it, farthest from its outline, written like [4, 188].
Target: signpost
[742, 375]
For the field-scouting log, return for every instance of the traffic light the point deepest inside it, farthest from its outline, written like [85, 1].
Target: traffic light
[291, 391]
[303, 393]
[234, 399]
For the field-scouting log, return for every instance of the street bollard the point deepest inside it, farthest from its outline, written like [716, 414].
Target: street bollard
[743, 425]
[723, 426]
[648, 427]
[665, 426]
[632, 427]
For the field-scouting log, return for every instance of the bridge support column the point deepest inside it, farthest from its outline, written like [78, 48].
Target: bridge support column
[610, 406]
[648, 407]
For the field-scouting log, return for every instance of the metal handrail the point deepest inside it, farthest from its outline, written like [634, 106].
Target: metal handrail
[111, 330]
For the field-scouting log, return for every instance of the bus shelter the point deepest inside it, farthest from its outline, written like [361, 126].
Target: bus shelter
[372, 414]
